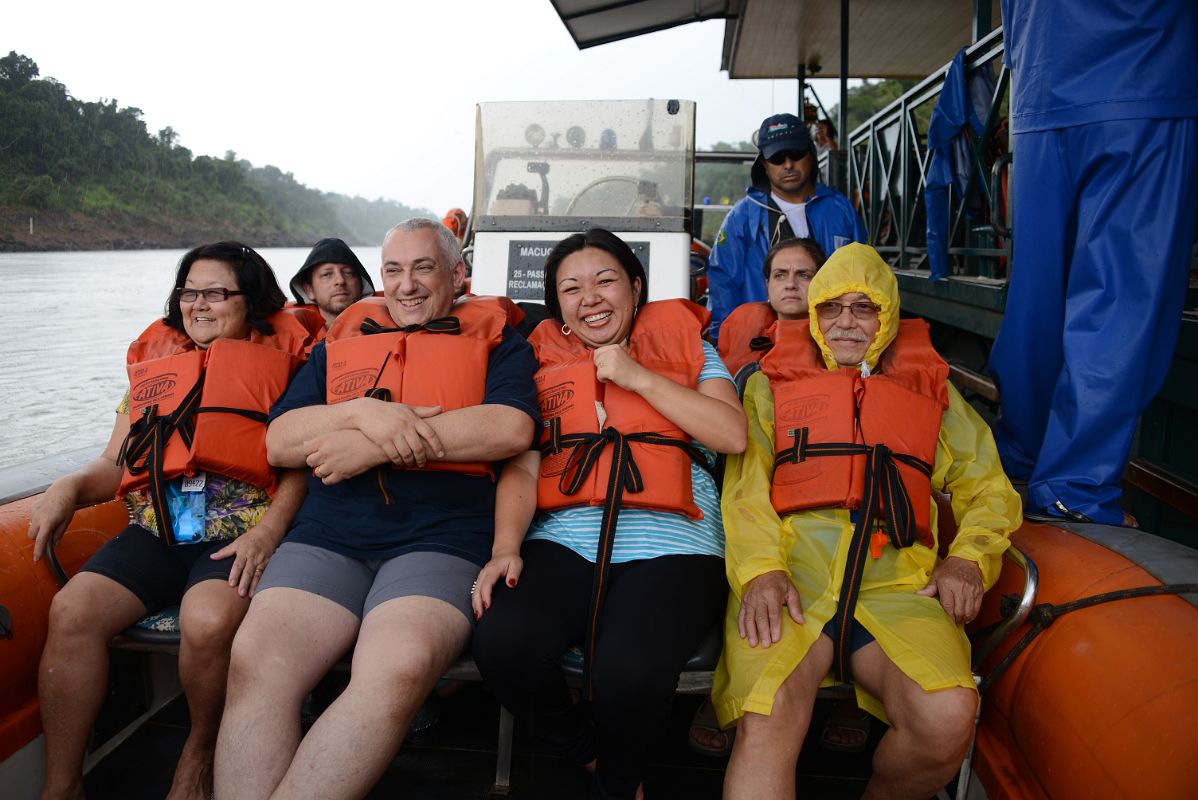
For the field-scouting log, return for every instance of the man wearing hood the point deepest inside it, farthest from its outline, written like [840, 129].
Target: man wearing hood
[332, 278]
[853, 406]
[785, 201]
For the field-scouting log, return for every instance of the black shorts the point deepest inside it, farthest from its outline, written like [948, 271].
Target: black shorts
[157, 573]
[858, 638]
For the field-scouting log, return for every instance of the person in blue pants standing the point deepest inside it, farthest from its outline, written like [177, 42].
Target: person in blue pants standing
[1104, 121]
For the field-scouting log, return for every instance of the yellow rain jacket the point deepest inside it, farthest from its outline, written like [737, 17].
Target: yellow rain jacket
[913, 631]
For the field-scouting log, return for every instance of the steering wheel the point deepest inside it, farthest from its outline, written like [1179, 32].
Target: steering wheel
[601, 182]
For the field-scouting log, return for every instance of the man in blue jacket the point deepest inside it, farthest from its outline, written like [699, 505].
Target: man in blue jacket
[785, 201]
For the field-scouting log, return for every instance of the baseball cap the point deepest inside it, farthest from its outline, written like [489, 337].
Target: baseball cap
[782, 132]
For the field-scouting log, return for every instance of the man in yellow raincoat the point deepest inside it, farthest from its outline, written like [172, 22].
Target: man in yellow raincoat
[903, 644]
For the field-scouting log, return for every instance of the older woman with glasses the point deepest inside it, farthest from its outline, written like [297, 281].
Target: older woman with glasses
[206, 510]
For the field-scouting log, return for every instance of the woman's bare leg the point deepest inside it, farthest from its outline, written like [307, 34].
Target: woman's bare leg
[73, 676]
[208, 619]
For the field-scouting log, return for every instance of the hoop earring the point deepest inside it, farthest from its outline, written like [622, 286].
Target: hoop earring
[565, 329]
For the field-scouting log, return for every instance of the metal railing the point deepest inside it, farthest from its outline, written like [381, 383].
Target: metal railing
[887, 168]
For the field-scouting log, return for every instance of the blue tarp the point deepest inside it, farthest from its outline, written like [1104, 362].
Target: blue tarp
[950, 152]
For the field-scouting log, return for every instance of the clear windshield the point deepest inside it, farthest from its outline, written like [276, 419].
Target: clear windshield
[547, 162]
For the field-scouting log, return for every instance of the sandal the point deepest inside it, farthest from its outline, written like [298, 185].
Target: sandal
[705, 720]
[847, 728]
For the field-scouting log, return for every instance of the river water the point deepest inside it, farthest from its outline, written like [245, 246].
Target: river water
[66, 320]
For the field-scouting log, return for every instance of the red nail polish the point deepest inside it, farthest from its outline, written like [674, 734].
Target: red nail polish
[511, 582]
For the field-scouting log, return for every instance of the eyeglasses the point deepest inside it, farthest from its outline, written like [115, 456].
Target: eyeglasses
[779, 158]
[833, 310]
[211, 295]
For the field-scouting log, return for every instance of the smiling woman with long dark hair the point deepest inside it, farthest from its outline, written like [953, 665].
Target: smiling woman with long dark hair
[631, 398]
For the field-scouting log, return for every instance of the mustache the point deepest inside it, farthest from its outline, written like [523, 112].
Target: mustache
[847, 336]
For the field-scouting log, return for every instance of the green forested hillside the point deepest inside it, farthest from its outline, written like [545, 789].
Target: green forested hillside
[93, 170]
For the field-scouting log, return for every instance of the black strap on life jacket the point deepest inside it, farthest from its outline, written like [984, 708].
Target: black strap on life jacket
[585, 449]
[760, 344]
[369, 327]
[448, 325]
[144, 448]
[883, 485]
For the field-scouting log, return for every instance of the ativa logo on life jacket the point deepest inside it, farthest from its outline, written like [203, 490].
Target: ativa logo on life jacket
[803, 408]
[153, 389]
[556, 399]
[353, 383]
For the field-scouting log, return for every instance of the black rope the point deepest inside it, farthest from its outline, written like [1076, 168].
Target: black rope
[759, 344]
[882, 478]
[255, 416]
[1042, 616]
[375, 391]
[144, 449]
[624, 475]
[449, 325]
[884, 494]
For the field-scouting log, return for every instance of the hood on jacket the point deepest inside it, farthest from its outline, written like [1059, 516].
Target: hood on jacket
[757, 177]
[857, 268]
[329, 251]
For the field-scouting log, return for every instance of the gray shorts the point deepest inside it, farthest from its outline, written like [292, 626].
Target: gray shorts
[359, 585]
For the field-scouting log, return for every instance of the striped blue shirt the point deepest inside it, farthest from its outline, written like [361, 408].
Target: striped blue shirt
[644, 534]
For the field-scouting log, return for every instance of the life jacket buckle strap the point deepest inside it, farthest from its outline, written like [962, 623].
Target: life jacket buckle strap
[797, 452]
[625, 476]
[144, 449]
[761, 344]
[447, 325]
[553, 445]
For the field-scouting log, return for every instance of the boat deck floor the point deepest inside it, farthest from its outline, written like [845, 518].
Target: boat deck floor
[455, 760]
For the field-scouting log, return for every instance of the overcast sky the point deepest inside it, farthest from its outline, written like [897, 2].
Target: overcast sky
[373, 99]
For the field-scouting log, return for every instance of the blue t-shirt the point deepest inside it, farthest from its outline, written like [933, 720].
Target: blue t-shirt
[644, 534]
[422, 510]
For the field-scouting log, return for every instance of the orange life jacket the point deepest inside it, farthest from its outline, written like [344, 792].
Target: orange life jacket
[197, 410]
[648, 462]
[665, 338]
[311, 318]
[866, 444]
[743, 336]
[515, 314]
[442, 363]
[828, 423]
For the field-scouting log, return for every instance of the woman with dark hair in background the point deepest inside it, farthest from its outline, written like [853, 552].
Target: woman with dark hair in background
[789, 267]
[188, 454]
[626, 553]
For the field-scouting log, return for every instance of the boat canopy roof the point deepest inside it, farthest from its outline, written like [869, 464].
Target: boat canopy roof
[770, 38]
[595, 22]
